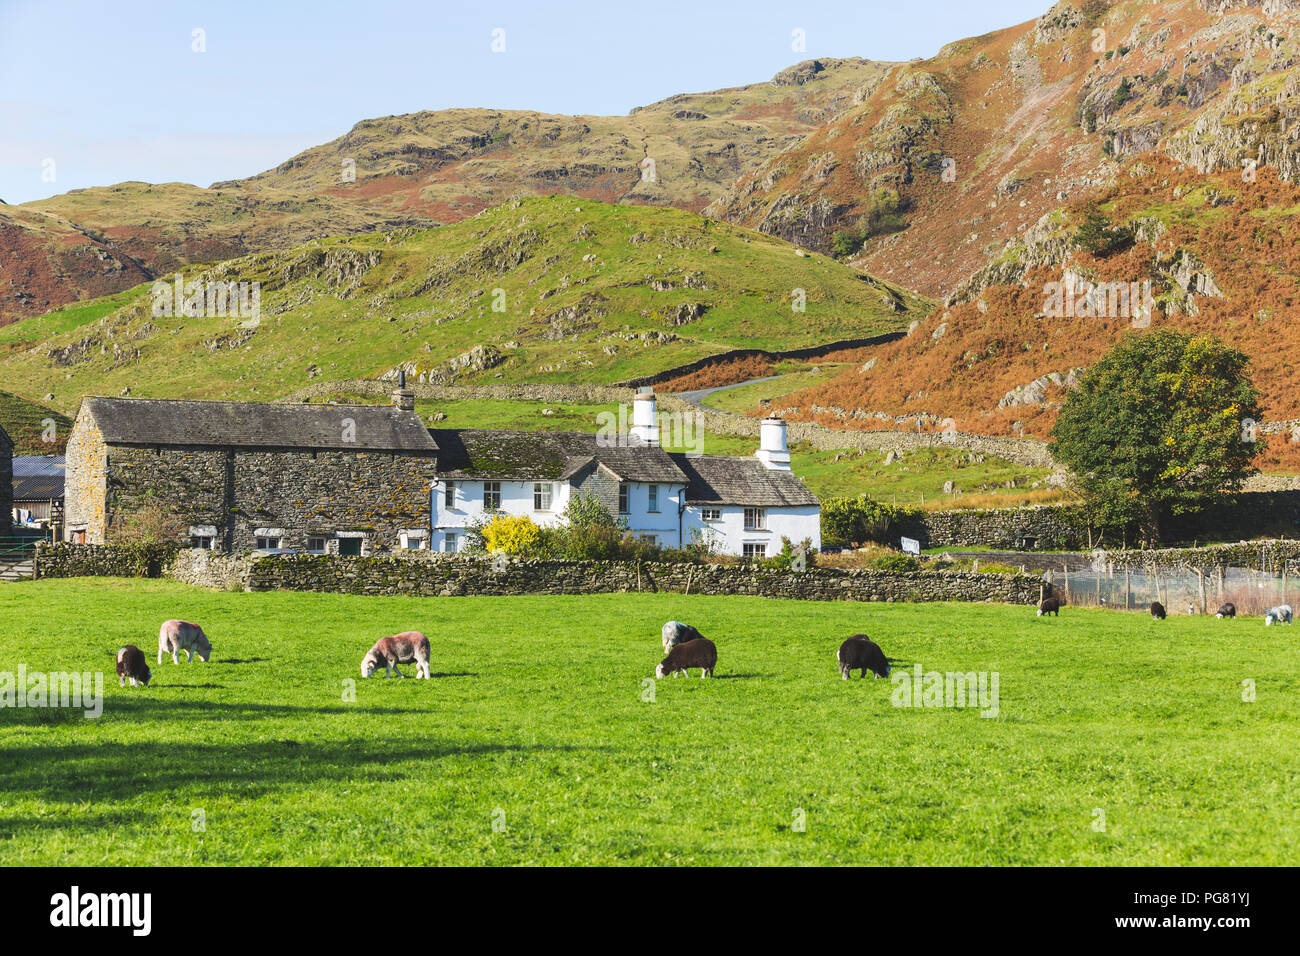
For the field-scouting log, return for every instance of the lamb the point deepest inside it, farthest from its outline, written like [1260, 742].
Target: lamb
[675, 632]
[701, 653]
[131, 666]
[402, 648]
[861, 653]
[1278, 615]
[1157, 611]
[1051, 605]
[176, 636]
[1226, 610]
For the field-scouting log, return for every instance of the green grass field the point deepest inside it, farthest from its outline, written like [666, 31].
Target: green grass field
[536, 722]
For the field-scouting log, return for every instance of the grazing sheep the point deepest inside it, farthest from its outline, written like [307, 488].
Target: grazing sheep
[861, 653]
[1051, 605]
[402, 648]
[1191, 609]
[177, 636]
[131, 666]
[1157, 611]
[675, 632]
[701, 653]
[1278, 615]
[1226, 610]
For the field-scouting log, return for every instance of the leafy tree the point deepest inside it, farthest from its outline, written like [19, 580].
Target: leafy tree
[1096, 234]
[856, 520]
[1162, 425]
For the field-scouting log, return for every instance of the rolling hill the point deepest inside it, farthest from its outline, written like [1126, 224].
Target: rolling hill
[416, 170]
[546, 289]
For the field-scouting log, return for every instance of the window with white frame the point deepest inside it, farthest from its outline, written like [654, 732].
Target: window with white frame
[651, 539]
[755, 519]
[412, 539]
[491, 496]
[316, 543]
[267, 543]
[450, 540]
[710, 514]
[622, 500]
[541, 496]
[201, 541]
[654, 499]
[449, 495]
[754, 549]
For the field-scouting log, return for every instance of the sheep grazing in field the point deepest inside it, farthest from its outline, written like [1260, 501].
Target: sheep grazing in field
[861, 653]
[1278, 615]
[1191, 609]
[1157, 611]
[675, 632]
[1226, 610]
[1051, 605]
[177, 636]
[402, 648]
[701, 653]
[131, 666]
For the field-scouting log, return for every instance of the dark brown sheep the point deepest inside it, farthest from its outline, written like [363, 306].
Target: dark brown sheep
[1226, 610]
[701, 653]
[861, 653]
[131, 666]
[1051, 605]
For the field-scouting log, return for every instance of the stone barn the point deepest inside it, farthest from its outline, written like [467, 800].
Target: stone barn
[234, 476]
[6, 485]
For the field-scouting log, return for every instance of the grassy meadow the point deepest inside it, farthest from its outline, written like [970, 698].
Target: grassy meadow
[535, 742]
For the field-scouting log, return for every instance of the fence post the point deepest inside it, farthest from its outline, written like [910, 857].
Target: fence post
[1200, 581]
[1128, 595]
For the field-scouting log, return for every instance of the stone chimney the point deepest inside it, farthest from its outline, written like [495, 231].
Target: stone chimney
[645, 419]
[773, 451]
[403, 397]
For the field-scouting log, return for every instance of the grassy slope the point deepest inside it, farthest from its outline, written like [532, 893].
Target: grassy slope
[430, 297]
[419, 169]
[1097, 710]
[23, 421]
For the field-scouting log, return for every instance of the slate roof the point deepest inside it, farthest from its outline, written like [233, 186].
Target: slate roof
[38, 477]
[151, 421]
[498, 454]
[714, 479]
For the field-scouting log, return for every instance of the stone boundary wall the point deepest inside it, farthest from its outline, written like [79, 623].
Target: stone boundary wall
[1051, 528]
[64, 560]
[439, 576]
[813, 351]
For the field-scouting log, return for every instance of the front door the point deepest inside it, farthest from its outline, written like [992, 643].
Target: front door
[350, 547]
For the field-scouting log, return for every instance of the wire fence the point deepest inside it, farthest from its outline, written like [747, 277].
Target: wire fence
[1180, 591]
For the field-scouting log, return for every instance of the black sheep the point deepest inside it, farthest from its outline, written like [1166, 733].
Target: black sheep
[861, 653]
[1051, 605]
[1157, 611]
[1226, 610]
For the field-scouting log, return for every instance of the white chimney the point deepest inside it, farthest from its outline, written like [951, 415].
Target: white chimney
[773, 451]
[645, 420]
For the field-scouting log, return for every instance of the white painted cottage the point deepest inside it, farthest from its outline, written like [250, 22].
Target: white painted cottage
[744, 506]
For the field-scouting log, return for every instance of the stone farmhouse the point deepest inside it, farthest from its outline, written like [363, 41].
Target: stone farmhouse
[367, 479]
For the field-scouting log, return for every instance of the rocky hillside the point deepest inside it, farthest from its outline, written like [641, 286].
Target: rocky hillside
[546, 289]
[1216, 254]
[416, 170]
[951, 159]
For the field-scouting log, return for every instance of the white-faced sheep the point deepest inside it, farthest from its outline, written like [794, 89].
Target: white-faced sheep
[176, 636]
[701, 653]
[675, 632]
[861, 653]
[402, 648]
[1278, 615]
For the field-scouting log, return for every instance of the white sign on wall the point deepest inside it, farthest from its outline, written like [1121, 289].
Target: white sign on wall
[911, 546]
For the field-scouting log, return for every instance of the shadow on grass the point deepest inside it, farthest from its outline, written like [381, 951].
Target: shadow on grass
[190, 772]
[243, 660]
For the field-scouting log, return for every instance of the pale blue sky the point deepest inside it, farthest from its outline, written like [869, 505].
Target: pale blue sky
[113, 91]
